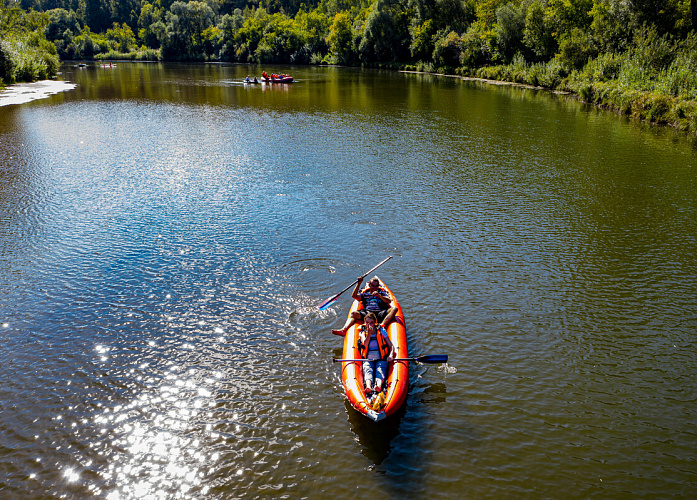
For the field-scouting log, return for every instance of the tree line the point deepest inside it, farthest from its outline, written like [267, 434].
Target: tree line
[570, 44]
[442, 34]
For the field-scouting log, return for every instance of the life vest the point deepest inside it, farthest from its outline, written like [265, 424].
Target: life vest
[382, 344]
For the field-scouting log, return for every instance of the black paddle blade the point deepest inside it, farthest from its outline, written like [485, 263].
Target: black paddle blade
[433, 358]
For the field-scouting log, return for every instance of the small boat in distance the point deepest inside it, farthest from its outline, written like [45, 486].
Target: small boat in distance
[249, 80]
[276, 78]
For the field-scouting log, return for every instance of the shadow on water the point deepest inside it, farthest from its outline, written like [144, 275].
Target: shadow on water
[375, 437]
[398, 447]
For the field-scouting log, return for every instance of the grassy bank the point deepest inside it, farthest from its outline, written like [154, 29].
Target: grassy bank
[655, 81]
[143, 54]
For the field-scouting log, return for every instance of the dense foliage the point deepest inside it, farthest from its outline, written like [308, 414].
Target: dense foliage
[25, 54]
[600, 49]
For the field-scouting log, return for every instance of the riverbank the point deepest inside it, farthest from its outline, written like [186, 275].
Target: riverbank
[654, 107]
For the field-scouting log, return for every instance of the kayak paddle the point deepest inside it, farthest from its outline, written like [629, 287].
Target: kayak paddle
[327, 303]
[433, 358]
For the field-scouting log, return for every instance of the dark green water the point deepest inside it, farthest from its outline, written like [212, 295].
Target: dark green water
[166, 233]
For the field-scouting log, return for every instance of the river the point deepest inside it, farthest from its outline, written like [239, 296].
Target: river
[166, 233]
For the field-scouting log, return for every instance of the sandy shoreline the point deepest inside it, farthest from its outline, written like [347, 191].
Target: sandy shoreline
[21, 93]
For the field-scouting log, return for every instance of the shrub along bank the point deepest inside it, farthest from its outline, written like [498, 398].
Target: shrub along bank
[655, 80]
[25, 53]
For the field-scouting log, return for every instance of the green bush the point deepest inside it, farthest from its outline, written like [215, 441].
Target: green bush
[6, 64]
[652, 51]
[552, 74]
[604, 68]
[680, 80]
[576, 49]
[474, 49]
[28, 59]
[447, 50]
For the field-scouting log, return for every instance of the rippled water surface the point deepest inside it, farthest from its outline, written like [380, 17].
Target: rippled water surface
[167, 232]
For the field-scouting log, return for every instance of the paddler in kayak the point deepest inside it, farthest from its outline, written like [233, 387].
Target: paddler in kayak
[375, 347]
[375, 300]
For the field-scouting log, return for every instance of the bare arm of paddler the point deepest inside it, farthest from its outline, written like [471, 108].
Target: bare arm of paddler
[357, 289]
[353, 317]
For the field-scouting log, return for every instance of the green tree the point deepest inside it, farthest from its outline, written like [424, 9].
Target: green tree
[613, 25]
[14, 21]
[485, 11]
[123, 37]
[61, 20]
[510, 25]
[86, 47]
[538, 35]
[568, 14]
[385, 33]
[422, 40]
[25, 54]
[186, 23]
[212, 38]
[282, 42]
[150, 25]
[576, 48]
[454, 15]
[247, 38]
[98, 15]
[125, 11]
[340, 38]
[314, 26]
[664, 15]
[229, 25]
[475, 48]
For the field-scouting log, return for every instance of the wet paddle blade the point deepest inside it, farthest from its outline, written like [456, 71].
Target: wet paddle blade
[328, 303]
[433, 358]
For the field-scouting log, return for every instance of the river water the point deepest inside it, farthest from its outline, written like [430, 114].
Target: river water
[167, 232]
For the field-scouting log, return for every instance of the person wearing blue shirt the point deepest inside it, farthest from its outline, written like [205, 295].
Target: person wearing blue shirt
[375, 300]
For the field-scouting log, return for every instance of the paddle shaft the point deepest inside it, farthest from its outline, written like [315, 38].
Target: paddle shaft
[433, 358]
[328, 302]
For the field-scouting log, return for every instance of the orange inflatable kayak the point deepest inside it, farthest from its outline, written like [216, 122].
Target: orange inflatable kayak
[397, 381]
